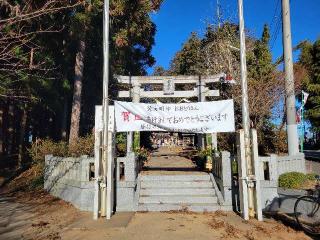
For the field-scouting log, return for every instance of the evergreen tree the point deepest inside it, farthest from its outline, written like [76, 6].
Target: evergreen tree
[310, 59]
[188, 61]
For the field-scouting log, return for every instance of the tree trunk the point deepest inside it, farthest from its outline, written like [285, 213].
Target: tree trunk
[4, 126]
[10, 129]
[64, 120]
[77, 89]
[22, 135]
[1, 128]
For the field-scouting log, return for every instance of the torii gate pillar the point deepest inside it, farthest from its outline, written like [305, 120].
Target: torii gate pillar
[135, 94]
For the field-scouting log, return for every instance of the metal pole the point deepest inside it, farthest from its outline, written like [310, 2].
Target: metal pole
[292, 132]
[105, 101]
[245, 111]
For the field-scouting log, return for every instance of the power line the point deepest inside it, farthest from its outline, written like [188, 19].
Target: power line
[276, 24]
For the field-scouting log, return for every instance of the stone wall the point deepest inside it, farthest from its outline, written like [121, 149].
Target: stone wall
[271, 168]
[127, 183]
[221, 171]
[69, 179]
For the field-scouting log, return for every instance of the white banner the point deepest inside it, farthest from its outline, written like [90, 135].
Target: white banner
[200, 117]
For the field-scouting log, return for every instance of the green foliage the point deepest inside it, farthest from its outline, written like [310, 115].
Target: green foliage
[215, 53]
[142, 153]
[294, 180]
[310, 59]
[121, 144]
[204, 153]
[136, 141]
[188, 60]
[44, 86]
[311, 176]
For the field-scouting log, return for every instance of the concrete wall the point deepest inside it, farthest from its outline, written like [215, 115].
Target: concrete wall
[68, 179]
[268, 173]
[221, 170]
[126, 185]
[277, 166]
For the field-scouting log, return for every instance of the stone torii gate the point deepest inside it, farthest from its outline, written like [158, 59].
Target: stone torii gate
[201, 91]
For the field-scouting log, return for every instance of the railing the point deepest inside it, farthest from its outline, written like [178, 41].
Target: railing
[221, 171]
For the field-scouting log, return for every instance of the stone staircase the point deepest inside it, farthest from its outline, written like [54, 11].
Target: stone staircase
[177, 192]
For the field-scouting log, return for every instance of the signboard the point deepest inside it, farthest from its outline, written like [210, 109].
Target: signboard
[168, 86]
[99, 119]
[200, 117]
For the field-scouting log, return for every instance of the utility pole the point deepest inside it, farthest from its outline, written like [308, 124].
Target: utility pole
[105, 102]
[245, 112]
[292, 132]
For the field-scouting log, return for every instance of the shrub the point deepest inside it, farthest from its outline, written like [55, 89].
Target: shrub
[83, 146]
[311, 176]
[293, 179]
[143, 154]
[42, 147]
[203, 153]
[121, 144]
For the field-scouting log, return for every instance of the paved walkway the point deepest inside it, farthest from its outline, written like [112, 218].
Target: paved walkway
[170, 161]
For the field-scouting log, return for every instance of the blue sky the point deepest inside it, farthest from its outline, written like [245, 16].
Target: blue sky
[178, 18]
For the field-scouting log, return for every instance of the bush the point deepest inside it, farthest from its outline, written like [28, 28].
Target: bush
[142, 153]
[203, 153]
[83, 146]
[42, 147]
[311, 176]
[121, 144]
[294, 179]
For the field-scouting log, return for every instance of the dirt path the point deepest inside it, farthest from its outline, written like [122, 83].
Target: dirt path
[30, 217]
[47, 218]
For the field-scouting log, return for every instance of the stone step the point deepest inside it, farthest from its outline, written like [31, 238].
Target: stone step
[177, 191]
[176, 178]
[178, 199]
[176, 184]
[179, 207]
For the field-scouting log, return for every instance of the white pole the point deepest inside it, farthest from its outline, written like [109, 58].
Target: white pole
[245, 111]
[105, 101]
[292, 132]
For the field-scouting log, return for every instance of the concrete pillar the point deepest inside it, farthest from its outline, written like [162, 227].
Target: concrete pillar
[135, 99]
[201, 98]
[214, 141]
[292, 132]
[129, 142]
